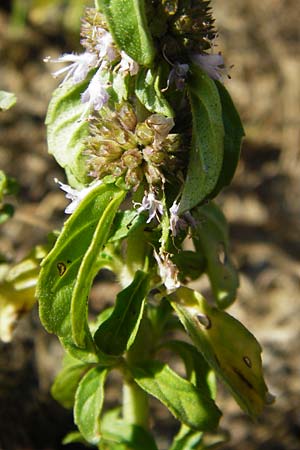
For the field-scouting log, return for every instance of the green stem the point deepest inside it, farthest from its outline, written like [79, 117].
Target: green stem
[135, 404]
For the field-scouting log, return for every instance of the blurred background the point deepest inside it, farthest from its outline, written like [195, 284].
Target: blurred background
[261, 40]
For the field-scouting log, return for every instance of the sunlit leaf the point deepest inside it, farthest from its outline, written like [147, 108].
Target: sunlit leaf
[7, 100]
[60, 269]
[148, 91]
[67, 129]
[197, 369]
[206, 154]
[87, 270]
[230, 349]
[17, 290]
[127, 23]
[187, 403]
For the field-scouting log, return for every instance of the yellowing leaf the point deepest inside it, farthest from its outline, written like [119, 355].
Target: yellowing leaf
[17, 291]
[228, 347]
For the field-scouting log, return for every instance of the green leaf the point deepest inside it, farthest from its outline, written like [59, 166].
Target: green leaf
[60, 270]
[86, 356]
[67, 129]
[234, 133]
[230, 349]
[190, 264]
[74, 437]
[8, 185]
[187, 439]
[185, 401]
[124, 224]
[7, 100]
[6, 212]
[87, 272]
[88, 404]
[116, 432]
[211, 238]
[198, 371]
[148, 92]
[127, 23]
[118, 332]
[66, 382]
[206, 154]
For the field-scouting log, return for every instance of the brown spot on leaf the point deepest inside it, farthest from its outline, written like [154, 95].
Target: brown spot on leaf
[243, 378]
[247, 361]
[61, 267]
[204, 320]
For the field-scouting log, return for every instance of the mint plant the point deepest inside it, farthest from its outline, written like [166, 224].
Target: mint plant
[147, 135]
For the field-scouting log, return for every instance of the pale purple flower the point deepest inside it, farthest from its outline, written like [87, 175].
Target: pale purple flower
[176, 222]
[167, 270]
[74, 195]
[128, 65]
[151, 204]
[105, 45]
[96, 95]
[79, 65]
[212, 64]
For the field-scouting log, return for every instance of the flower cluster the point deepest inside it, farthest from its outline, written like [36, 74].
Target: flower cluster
[119, 145]
[100, 53]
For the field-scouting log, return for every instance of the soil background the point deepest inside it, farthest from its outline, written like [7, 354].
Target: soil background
[261, 40]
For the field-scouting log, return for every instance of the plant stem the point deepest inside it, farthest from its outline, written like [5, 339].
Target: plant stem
[135, 404]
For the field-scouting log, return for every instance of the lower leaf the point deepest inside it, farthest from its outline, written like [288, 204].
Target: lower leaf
[88, 404]
[186, 402]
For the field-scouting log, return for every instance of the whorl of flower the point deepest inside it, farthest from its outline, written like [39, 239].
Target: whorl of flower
[119, 145]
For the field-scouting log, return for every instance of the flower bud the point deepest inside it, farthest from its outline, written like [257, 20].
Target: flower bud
[144, 134]
[132, 158]
[153, 155]
[127, 117]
